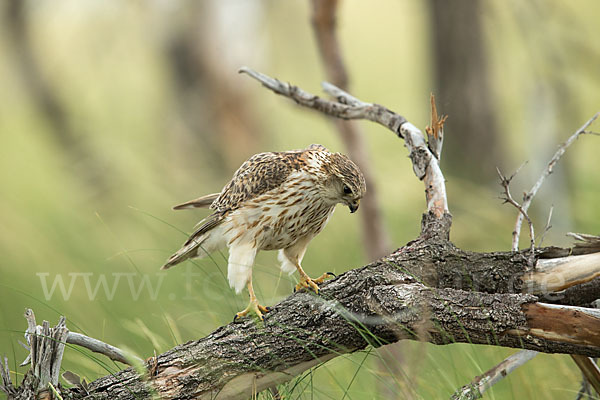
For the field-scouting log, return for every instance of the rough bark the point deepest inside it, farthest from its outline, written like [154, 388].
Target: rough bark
[411, 294]
[426, 290]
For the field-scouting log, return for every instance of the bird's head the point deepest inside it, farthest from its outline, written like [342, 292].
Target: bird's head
[346, 184]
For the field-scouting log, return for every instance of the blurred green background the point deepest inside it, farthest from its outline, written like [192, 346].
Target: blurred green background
[112, 111]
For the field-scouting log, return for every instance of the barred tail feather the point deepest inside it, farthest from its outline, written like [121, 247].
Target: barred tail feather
[200, 202]
[189, 250]
[202, 242]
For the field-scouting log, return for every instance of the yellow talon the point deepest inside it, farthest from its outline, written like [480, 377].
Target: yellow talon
[307, 282]
[253, 306]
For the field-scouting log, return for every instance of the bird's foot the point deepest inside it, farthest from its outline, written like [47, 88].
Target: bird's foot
[254, 307]
[307, 282]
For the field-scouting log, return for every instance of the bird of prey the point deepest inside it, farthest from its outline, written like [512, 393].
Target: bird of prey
[275, 201]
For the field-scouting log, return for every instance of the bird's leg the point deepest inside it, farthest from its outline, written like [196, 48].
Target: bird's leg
[253, 305]
[308, 282]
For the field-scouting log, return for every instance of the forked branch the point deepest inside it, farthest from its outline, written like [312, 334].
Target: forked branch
[528, 197]
[425, 163]
[426, 290]
[505, 183]
[552, 275]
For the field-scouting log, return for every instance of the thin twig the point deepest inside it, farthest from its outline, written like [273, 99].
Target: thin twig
[547, 227]
[78, 339]
[346, 106]
[98, 346]
[528, 197]
[6, 385]
[585, 391]
[480, 384]
[505, 182]
[524, 207]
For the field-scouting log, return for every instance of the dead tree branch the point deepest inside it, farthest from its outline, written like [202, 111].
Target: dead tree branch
[373, 305]
[505, 183]
[427, 290]
[98, 346]
[425, 164]
[78, 339]
[46, 347]
[528, 197]
[589, 369]
[556, 280]
[480, 384]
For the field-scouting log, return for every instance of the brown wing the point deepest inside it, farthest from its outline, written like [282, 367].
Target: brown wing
[261, 173]
[200, 202]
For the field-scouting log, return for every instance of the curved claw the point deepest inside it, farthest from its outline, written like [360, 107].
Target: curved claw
[254, 307]
[307, 282]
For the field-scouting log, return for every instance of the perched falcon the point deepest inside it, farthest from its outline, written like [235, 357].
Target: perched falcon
[275, 201]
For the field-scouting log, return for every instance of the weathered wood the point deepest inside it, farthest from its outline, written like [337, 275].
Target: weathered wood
[590, 370]
[100, 347]
[46, 348]
[427, 290]
[551, 275]
[583, 294]
[476, 388]
[374, 305]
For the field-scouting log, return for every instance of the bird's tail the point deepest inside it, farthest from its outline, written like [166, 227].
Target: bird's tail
[202, 242]
[200, 202]
[188, 250]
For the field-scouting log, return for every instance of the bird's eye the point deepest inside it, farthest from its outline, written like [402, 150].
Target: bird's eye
[347, 189]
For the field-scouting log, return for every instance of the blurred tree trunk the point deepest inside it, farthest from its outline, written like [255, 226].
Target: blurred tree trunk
[375, 237]
[213, 115]
[44, 98]
[464, 91]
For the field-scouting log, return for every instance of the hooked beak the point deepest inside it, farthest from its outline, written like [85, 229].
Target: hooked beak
[354, 206]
